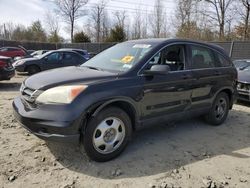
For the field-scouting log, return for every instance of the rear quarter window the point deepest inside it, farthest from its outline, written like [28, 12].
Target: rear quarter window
[202, 57]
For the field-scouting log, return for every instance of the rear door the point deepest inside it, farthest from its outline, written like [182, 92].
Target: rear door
[71, 59]
[208, 73]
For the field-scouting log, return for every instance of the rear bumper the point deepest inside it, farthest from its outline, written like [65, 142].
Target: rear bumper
[51, 130]
[6, 74]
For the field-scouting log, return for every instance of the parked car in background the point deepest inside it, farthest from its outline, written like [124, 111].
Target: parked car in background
[241, 64]
[130, 85]
[34, 54]
[92, 54]
[7, 71]
[31, 51]
[84, 53]
[38, 53]
[243, 86]
[12, 52]
[49, 60]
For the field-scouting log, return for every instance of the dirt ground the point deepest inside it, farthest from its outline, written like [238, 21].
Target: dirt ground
[185, 154]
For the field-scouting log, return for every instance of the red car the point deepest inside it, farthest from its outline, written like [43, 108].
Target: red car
[12, 52]
[7, 71]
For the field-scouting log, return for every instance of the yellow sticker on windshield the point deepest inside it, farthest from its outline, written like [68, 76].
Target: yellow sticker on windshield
[127, 59]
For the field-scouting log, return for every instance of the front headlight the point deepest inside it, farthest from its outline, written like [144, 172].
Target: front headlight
[61, 94]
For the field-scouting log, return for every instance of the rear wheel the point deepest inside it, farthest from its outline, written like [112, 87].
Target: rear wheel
[33, 69]
[219, 111]
[107, 134]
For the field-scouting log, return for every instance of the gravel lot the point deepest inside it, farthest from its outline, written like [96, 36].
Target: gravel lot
[183, 154]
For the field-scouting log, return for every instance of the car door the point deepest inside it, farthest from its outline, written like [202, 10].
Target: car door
[170, 93]
[52, 60]
[70, 59]
[207, 73]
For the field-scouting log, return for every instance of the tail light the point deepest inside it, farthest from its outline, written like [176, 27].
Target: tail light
[3, 64]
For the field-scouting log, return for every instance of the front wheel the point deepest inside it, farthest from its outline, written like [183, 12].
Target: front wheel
[107, 134]
[219, 111]
[33, 69]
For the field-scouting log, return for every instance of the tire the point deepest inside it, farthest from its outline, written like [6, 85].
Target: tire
[33, 69]
[219, 111]
[107, 134]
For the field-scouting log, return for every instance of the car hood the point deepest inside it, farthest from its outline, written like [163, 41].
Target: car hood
[244, 76]
[68, 75]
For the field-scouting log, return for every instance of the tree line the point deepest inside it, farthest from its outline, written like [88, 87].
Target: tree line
[208, 20]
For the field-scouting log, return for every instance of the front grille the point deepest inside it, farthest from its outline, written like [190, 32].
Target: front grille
[29, 94]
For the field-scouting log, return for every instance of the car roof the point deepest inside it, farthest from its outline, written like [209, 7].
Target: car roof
[177, 40]
[63, 50]
[72, 49]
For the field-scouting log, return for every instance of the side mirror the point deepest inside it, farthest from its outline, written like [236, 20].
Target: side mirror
[157, 70]
[46, 58]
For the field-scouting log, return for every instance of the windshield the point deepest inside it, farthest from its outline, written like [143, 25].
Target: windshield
[120, 57]
[241, 64]
[36, 53]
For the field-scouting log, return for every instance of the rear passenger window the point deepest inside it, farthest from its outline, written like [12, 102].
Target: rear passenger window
[202, 57]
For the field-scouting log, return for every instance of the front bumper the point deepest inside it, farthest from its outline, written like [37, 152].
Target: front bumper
[53, 129]
[243, 95]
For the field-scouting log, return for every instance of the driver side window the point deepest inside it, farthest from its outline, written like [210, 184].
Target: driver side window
[173, 56]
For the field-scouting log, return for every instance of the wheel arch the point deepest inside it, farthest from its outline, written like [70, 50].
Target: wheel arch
[122, 103]
[230, 93]
[30, 65]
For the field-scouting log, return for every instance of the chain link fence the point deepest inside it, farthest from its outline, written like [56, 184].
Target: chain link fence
[235, 49]
[90, 47]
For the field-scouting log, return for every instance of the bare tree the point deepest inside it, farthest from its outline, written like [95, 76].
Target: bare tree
[105, 26]
[120, 17]
[71, 10]
[97, 16]
[144, 27]
[157, 19]
[51, 22]
[219, 14]
[137, 25]
[6, 30]
[245, 14]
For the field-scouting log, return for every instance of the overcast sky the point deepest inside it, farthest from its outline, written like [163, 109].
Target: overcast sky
[26, 11]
